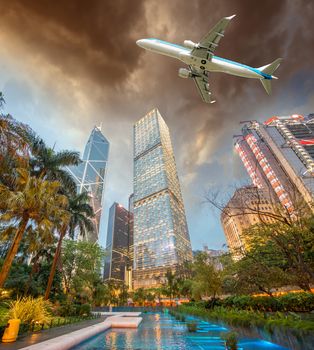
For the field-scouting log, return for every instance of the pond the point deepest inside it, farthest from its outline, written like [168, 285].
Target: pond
[161, 331]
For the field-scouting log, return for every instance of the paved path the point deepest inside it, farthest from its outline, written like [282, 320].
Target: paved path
[48, 334]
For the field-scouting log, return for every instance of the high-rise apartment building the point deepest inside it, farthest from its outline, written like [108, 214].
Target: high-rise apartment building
[279, 155]
[118, 261]
[161, 237]
[248, 206]
[91, 173]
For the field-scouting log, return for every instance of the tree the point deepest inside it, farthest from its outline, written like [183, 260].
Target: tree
[170, 286]
[14, 149]
[139, 296]
[80, 213]
[48, 164]
[207, 280]
[34, 202]
[81, 268]
[285, 247]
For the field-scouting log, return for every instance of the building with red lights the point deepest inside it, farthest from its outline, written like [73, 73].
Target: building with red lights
[279, 157]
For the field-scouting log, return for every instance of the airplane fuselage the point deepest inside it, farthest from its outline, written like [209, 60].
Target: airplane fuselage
[215, 64]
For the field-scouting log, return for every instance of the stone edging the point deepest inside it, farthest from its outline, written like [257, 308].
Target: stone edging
[66, 341]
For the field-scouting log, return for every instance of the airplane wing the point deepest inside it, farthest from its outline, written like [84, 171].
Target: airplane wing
[210, 41]
[201, 81]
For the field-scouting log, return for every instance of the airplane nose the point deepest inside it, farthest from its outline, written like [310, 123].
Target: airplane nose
[140, 42]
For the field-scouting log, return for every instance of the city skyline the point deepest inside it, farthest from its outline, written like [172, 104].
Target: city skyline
[74, 74]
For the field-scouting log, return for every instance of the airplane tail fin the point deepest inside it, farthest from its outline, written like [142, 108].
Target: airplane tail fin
[270, 68]
[267, 85]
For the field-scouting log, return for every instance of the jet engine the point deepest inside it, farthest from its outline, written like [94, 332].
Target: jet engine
[190, 44]
[185, 73]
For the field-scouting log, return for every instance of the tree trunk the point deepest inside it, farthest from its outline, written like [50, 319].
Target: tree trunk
[55, 262]
[13, 250]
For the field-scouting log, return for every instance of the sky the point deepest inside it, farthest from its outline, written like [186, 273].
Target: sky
[68, 66]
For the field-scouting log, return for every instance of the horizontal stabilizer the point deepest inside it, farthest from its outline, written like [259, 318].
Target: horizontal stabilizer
[270, 68]
[267, 85]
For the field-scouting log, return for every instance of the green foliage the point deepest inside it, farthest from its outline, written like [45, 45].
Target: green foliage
[83, 310]
[207, 280]
[294, 302]
[231, 340]
[191, 326]
[282, 251]
[82, 262]
[20, 280]
[139, 296]
[67, 309]
[30, 310]
[249, 319]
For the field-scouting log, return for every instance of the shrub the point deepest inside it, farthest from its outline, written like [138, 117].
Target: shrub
[192, 326]
[67, 309]
[294, 302]
[231, 339]
[30, 310]
[83, 310]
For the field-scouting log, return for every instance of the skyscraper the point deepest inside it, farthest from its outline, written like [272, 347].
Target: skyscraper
[279, 154]
[91, 173]
[248, 206]
[161, 238]
[119, 241]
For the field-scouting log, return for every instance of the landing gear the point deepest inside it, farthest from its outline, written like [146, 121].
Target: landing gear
[203, 61]
[202, 67]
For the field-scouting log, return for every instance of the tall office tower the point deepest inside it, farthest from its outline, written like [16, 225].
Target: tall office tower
[280, 154]
[91, 173]
[161, 238]
[263, 167]
[119, 240]
[244, 209]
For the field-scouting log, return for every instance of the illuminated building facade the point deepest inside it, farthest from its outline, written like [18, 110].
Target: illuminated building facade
[248, 206]
[279, 154]
[91, 173]
[161, 238]
[118, 245]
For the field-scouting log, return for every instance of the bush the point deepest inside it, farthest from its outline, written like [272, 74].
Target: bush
[30, 310]
[67, 309]
[192, 326]
[231, 339]
[294, 302]
[83, 310]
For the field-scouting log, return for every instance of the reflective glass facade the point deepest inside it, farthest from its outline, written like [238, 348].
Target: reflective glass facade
[119, 243]
[90, 174]
[161, 238]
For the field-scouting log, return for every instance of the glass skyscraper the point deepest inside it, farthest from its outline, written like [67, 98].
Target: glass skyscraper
[118, 262]
[161, 237]
[91, 173]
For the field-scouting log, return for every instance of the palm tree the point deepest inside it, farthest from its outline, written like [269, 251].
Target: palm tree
[34, 202]
[50, 165]
[14, 148]
[80, 214]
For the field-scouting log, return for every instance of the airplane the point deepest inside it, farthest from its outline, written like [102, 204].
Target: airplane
[201, 60]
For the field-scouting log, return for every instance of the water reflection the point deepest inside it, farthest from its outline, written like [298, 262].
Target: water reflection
[161, 331]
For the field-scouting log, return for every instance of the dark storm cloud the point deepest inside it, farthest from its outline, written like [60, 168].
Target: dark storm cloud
[94, 38]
